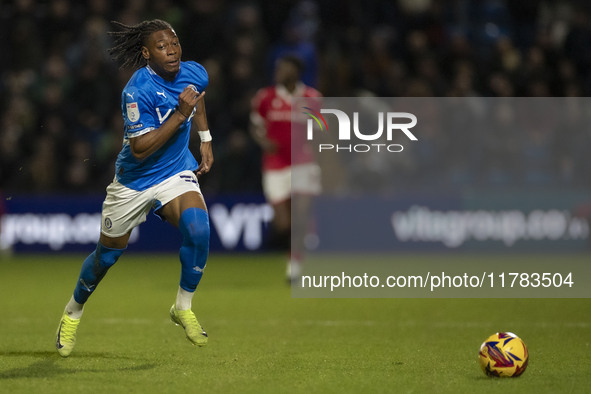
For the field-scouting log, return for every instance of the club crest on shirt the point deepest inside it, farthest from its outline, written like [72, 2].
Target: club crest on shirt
[133, 112]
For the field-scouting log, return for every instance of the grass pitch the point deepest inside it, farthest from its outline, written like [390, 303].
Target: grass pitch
[264, 341]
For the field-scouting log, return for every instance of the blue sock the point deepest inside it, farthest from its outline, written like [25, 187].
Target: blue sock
[194, 226]
[93, 270]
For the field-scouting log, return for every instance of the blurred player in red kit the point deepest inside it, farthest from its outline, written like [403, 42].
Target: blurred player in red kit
[290, 177]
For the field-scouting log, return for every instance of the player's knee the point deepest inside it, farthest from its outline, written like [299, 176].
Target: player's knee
[194, 225]
[107, 256]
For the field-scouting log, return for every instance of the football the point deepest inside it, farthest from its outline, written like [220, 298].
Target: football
[503, 355]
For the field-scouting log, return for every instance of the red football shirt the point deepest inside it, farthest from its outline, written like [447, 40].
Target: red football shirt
[271, 107]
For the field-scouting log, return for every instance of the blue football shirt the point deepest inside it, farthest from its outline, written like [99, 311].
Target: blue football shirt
[146, 102]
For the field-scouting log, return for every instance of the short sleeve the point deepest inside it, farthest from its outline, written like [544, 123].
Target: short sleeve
[198, 75]
[137, 112]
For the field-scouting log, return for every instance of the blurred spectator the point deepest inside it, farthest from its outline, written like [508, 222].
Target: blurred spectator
[298, 39]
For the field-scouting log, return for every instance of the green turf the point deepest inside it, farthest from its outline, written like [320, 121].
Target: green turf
[264, 341]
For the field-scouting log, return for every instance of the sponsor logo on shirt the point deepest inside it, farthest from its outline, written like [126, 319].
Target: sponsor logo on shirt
[135, 126]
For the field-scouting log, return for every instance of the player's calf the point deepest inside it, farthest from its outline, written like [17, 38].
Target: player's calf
[194, 226]
[94, 269]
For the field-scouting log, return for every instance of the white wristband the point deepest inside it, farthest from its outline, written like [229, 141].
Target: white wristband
[205, 136]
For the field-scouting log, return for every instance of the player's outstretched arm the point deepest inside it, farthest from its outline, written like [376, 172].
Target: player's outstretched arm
[200, 124]
[146, 144]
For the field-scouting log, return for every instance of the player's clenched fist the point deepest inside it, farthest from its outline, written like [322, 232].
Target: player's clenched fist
[188, 99]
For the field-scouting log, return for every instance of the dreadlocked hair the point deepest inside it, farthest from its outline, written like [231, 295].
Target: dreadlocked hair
[127, 48]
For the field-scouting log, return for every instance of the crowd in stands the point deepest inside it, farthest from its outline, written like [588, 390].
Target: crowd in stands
[60, 118]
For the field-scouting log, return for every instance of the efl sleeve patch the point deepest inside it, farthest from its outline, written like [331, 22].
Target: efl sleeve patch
[133, 112]
[137, 112]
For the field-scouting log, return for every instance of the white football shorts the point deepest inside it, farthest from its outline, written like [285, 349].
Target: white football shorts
[278, 185]
[125, 208]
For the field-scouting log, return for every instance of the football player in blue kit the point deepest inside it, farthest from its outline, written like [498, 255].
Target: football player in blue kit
[161, 104]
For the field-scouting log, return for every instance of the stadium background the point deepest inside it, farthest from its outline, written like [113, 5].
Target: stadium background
[60, 129]
[61, 124]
